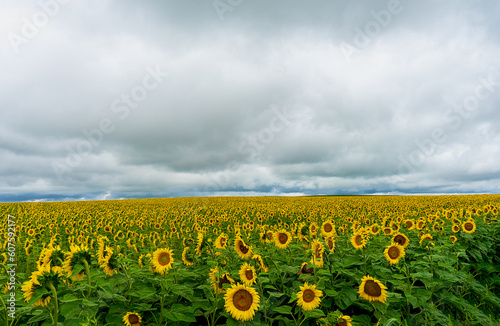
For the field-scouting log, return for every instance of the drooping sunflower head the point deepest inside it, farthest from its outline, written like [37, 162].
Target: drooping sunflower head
[187, 256]
[247, 274]
[218, 280]
[132, 319]
[221, 241]
[162, 260]
[469, 226]
[76, 256]
[309, 297]
[330, 243]
[372, 289]
[394, 252]
[241, 302]
[110, 262]
[425, 237]
[282, 239]
[242, 249]
[201, 244]
[304, 270]
[260, 261]
[401, 239]
[313, 230]
[453, 239]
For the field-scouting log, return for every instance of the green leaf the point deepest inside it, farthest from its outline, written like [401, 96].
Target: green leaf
[284, 310]
[314, 313]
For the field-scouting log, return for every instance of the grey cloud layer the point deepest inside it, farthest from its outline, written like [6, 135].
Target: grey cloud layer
[264, 100]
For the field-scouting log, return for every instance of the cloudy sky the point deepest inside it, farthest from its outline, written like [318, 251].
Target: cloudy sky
[104, 99]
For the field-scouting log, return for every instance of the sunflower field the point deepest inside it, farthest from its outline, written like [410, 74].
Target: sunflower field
[322, 260]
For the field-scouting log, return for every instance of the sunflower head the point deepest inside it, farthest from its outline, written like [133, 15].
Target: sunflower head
[221, 241]
[242, 249]
[469, 226]
[162, 260]
[218, 280]
[372, 289]
[247, 274]
[132, 319]
[187, 257]
[241, 302]
[401, 239]
[358, 240]
[282, 239]
[309, 297]
[328, 229]
[394, 252]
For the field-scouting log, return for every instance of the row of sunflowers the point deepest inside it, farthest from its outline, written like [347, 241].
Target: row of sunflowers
[415, 260]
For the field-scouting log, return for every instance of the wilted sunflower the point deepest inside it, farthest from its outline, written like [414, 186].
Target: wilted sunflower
[242, 249]
[221, 241]
[394, 252]
[162, 260]
[308, 297]
[247, 274]
[132, 319]
[469, 226]
[401, 239]
[260, 261]
[219, 281]
[185, 258]
[328, 229]
[371, 289]
[282, 239]
[241, 302]
[358, 240]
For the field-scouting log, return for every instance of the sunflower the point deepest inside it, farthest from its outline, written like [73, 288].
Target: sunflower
[455, 228]
[304, 270]
[282, 239]
[394, 252]
[242, 249]
[200, 244]
[317, 250]
[420, 223]
[247, 274]
[260, 261]
[41, 278]
[469, 226]
[162, 260]
[185, 259]
[132, 319]
[219, 281]
[77, 255]
[109, 263]
[344, 321]
[221, 241]
[313, 230]
[328, 229]
[426, 236]
[409, 224]
[401, 239]
[453, 239]
[387, 230]
[308, 297]
[330, 243]
[371, 289]
[358, 240]
[374, 229]
[241, 302]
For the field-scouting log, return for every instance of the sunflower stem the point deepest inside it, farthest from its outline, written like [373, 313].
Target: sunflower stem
[56, 305]
[5, 314]
[87, 271]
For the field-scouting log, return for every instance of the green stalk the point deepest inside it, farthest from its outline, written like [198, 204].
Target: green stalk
[56, 305]
[6, 315]
[87, 271]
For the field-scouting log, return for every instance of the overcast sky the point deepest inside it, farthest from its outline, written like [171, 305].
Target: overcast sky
[103, 99]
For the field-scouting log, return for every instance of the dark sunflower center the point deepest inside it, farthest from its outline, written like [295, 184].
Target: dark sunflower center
[341, 323]
[223, 280]
[358, 240]
[468, 226]
[249, 274]
[133, 319]
[243, 248]
[308, 295]
[222, 241]
[393, 252]
[329, 242]
[328, 227]
[409, 224]
[372, 289]
[400, 239]
[242, 300]
[164, 258]
[306, 270]
[283, 238]
[269, 235]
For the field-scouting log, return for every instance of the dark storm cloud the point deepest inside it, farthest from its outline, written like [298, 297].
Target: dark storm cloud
[116, 99]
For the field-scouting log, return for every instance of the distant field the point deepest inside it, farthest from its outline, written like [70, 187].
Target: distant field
[348, 260]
